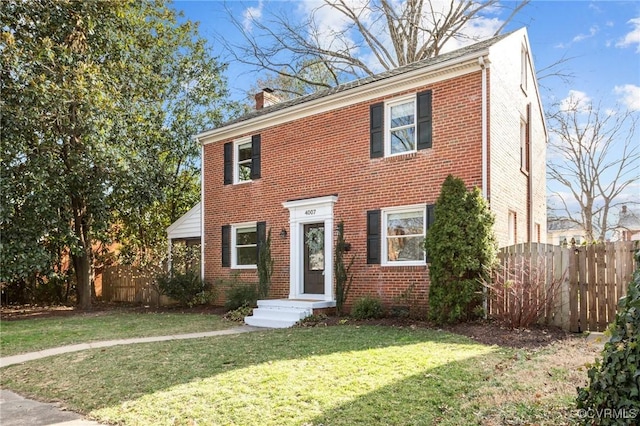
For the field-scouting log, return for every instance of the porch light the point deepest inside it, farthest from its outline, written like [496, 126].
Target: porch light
[283, 233]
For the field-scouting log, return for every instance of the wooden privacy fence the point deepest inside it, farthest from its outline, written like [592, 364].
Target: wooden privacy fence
[587, 281]
[126, 283]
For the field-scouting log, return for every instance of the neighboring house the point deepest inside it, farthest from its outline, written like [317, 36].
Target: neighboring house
[373, 154]
[628, 226]
[565, 232]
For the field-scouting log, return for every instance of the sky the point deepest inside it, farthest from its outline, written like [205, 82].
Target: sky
[600, 38]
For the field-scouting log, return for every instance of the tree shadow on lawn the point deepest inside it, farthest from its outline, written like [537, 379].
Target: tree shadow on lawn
[123, 376]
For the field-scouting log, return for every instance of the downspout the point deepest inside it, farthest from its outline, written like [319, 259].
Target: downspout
[201, 209]
[485, 142]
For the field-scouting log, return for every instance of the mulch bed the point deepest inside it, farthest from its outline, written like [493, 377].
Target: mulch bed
[486, 332]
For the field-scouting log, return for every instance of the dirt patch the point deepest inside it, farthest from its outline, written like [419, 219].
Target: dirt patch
[486, 332]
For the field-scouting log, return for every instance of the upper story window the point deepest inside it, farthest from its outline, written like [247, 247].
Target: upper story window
[401, 125]
[525, 148]
[242, 164]
[242, 160]
[524, 68]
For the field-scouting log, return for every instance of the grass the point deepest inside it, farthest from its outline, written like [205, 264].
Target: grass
[19, 336]
[343, 375]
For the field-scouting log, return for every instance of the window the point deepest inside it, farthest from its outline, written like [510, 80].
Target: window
[525, 149]
[404, 230]
[244, 246]
[242, 165]
[524, 67]
[242, 160]
[401, 125]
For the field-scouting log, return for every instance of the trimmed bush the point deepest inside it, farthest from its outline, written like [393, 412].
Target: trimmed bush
[186, 288]
[461, 249]
[367, 307]
[241, 295]
[613, 394]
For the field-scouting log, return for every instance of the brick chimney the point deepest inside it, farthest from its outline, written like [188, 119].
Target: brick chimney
[266, 98]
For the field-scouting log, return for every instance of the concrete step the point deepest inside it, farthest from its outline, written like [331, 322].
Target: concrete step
[268, 323]
[284, 313]
[281, 314]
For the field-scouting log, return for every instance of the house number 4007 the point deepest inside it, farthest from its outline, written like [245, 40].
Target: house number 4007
[310, 212]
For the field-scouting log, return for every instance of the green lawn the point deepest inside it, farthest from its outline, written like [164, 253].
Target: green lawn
[342, 375]
[28, 335]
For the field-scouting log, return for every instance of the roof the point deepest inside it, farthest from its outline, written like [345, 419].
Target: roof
[629, 219]
[563, 224]
[470, 50]
[187, 226]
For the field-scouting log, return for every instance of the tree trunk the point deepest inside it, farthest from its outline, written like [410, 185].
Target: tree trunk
[82, 260]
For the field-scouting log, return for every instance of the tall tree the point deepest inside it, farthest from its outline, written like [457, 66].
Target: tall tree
[86, 126]
[462, 248]
[595, 157]
[361, 38]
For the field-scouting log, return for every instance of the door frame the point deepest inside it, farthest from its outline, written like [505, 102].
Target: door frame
[302, 212]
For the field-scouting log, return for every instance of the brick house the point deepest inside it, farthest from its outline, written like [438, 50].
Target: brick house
[372, 153]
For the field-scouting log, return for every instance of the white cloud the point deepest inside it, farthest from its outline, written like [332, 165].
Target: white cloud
[576, 101]
[592, 32]
[630, 96]
[632, 37]
[335, 29]
[252, 14]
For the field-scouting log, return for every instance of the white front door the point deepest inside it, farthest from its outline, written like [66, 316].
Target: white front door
[311, 248]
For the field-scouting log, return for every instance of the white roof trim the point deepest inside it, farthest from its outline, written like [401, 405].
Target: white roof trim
[415, 78]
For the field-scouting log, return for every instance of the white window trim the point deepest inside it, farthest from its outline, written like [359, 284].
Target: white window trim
[385, 248]
[234, 254]
[387, 123]
[524, 68]
[236, 158]
[523, 144]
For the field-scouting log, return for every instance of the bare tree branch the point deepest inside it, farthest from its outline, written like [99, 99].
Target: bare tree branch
[595, 157]
[359, 41]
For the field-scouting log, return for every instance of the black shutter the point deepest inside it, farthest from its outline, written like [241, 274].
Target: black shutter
[373, 237]
[430, 218]
[261, 229]
[424, 120]
[376, 122]
[255, 157]
[228, 163]
[226, 246]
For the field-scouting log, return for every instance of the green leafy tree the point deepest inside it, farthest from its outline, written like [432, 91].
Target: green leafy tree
[462, 248]
[94, 118]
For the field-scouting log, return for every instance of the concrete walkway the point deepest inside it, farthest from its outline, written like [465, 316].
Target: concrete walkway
[16, 410]
[30, 356]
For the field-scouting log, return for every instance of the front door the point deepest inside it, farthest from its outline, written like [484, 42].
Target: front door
[314, 258]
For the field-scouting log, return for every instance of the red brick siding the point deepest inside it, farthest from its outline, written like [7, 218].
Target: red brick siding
[328, 154]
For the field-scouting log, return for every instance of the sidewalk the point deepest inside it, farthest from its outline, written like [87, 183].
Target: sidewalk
[16, 410]
[30, 356]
